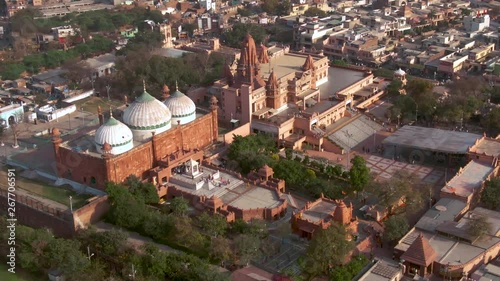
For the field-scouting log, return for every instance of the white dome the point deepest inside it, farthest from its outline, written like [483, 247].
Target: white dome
[146, 115]
[182, 107]
[399, 72]
[115, 133]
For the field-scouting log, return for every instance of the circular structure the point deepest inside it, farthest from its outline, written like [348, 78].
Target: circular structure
[399, 73]
[441, 208]
[147, 115]
[182, 107]
[116, 134]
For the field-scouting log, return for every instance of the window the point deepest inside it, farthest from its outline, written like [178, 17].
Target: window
[85, 179]
[93, 180]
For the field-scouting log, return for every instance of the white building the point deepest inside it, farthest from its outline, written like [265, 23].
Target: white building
[102, 65]
[63, 31]
[475, 24]
[10, 114]
[51, 112]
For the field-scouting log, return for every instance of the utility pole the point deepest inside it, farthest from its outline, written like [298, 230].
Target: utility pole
[71, 203]
[416, 112]
[89, 255]
[83, 120]
[108, 87]
[69, 118]
[374, 139]
[133, 273]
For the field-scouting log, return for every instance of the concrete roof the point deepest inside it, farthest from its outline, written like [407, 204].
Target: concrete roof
[49, 74]
[338, 79]
[101, 61]
[449, 210]
[487, 146]
[432, 139]
[171, 52]
[284, 64]
[320, 211]
[468, 179]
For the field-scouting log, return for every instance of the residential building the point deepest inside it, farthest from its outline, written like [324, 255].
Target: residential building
[102, 65]
[476, 23]
[383, 270]
[11, 114]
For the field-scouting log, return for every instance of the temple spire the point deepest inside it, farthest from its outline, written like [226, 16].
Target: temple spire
[110, 112]
[144, 84]
[176, 86]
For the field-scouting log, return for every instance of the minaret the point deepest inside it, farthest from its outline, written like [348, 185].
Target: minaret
[215, 122]
[100, 115]
[125, 99]
[166, 31]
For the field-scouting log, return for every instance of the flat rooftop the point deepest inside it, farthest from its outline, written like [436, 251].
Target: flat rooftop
[489, 147]
[101, 61]
[231, 190]
[339, 79]
[319, 212]
[382, 271]
[432, 139]
[284, 65]
[471, 177]
[446, 209]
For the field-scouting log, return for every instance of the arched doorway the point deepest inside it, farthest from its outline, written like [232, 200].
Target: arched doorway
[12, 120]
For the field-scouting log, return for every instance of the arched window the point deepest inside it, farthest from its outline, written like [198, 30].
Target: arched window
[93, 180]
[85, 179]
[69, 173]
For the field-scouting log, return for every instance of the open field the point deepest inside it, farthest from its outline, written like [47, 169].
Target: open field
[90, 104]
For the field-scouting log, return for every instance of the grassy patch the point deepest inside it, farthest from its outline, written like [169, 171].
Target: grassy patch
[56, 194]
[90, 104]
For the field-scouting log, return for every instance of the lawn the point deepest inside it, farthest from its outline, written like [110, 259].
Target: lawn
[57, 194]
[90, 104]
[18, 276]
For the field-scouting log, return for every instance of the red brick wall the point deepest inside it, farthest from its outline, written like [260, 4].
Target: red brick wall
[197, 134]
[137, 161]
[82, 166]
[91, 213]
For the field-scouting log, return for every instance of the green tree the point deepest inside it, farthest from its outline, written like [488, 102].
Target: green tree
[491, 194]
[315, 12]
[214, 225]
[179, 206]
[145, 192]
[359, 174]
[220, 249]
[157, 225]
[492, 122]
[252, 152]
[127, 211]
[12, 71]
[270, 6]
[328, 248]
[395, 228]
[235, 36]
[478, 226]
[65, 255]
[246, 248]
[394, 87]
[284, 8]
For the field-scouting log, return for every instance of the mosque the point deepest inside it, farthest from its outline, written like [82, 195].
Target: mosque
[152, 138]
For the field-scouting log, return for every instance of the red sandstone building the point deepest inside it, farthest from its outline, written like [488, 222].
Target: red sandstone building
[320, 215]
[164, 143]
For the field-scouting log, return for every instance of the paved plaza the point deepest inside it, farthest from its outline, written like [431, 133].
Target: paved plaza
[385, 168]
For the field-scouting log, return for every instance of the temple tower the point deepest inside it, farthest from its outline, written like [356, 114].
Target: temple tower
[166, 31]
